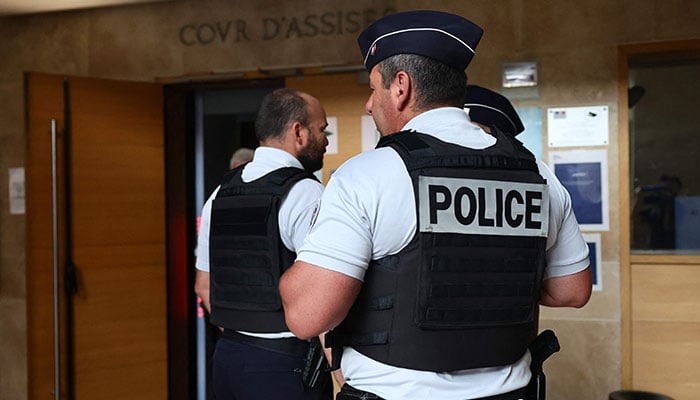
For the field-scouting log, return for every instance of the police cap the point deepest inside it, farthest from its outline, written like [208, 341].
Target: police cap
[445, 37]
[489, 108]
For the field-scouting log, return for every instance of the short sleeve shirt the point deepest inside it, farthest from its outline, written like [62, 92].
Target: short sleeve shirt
[368, 212]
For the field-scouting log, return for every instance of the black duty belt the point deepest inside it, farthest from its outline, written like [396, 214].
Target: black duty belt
[290, 346]
[518, 394]
[348, 392]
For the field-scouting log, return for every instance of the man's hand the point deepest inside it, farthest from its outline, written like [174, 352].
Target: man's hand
[201, 287]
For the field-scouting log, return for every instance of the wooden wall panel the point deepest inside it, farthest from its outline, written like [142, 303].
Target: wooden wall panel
[666, 328]
[666, 293]
[666, 357]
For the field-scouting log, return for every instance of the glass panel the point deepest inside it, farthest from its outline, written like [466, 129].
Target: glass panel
[664, 100]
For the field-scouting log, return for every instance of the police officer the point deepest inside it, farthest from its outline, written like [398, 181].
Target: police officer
[251, 227]
[489, 109]
[430, 253]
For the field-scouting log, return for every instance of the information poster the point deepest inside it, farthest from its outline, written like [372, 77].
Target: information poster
[687, 222]
[332, 128]
[584, 173]
[370, 135]
[594, 254]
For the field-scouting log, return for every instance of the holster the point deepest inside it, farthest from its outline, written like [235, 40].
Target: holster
[316, 374]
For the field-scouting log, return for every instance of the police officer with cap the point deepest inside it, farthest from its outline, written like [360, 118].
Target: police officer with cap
[251, 227]
[431, 253]
[489, 109]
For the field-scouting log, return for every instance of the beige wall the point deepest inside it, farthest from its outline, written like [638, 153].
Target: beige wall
[574, 41]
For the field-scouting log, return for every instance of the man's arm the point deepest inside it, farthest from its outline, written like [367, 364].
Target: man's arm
[201, 287]
[316, 299]
[567, 291]
[201, 283]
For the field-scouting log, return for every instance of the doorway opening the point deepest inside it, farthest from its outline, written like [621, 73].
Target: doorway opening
[204, 124]
[222, 113]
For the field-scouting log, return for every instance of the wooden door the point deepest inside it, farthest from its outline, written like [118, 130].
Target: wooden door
[117, 219]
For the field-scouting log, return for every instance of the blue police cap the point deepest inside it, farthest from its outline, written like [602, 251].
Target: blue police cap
[447, 38]
[489, 108]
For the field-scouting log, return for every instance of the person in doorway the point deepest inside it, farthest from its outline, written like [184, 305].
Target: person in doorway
[489, 109]
[431, 253]
[251, 227]
[240, 157]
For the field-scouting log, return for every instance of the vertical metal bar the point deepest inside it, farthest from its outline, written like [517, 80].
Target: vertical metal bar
[56, 298]
[201, 324]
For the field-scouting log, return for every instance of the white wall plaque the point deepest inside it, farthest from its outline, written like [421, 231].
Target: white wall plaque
[16, 190]
[332, 147]
[370, 135]
[577, 126]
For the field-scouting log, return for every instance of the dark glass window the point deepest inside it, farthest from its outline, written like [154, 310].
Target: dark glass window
[664, 101]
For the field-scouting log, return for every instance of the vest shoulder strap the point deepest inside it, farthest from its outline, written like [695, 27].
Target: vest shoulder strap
[419, 150]
[277, 182]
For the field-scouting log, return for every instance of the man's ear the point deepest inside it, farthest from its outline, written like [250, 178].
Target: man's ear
[404, 88]
[299, 133]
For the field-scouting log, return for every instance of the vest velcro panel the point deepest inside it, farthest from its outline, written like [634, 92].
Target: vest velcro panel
[247, 256]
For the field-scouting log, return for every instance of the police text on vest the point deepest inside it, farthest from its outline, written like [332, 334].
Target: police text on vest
[486, 207]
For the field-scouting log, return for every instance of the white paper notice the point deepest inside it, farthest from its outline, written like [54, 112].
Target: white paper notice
[17, 191]
[577, 126]
[370, 135]
[332, 147]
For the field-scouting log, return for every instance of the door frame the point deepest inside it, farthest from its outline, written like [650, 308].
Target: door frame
[625, 53]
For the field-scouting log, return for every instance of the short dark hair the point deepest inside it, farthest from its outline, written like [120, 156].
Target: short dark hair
[436, 84]
[278, 110]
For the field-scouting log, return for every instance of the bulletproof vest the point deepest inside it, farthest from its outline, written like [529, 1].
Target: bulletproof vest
[464, 292]
[247, 255]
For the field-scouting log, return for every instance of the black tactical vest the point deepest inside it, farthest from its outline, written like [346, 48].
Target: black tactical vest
[247, 255]
[463, 293]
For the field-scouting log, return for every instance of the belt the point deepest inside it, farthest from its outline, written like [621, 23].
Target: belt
[291, 346]
[517, 394]
[348, 392]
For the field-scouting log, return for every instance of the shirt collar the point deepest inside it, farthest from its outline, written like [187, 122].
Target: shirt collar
[268, 159]
[275, 156]
[452, 125]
